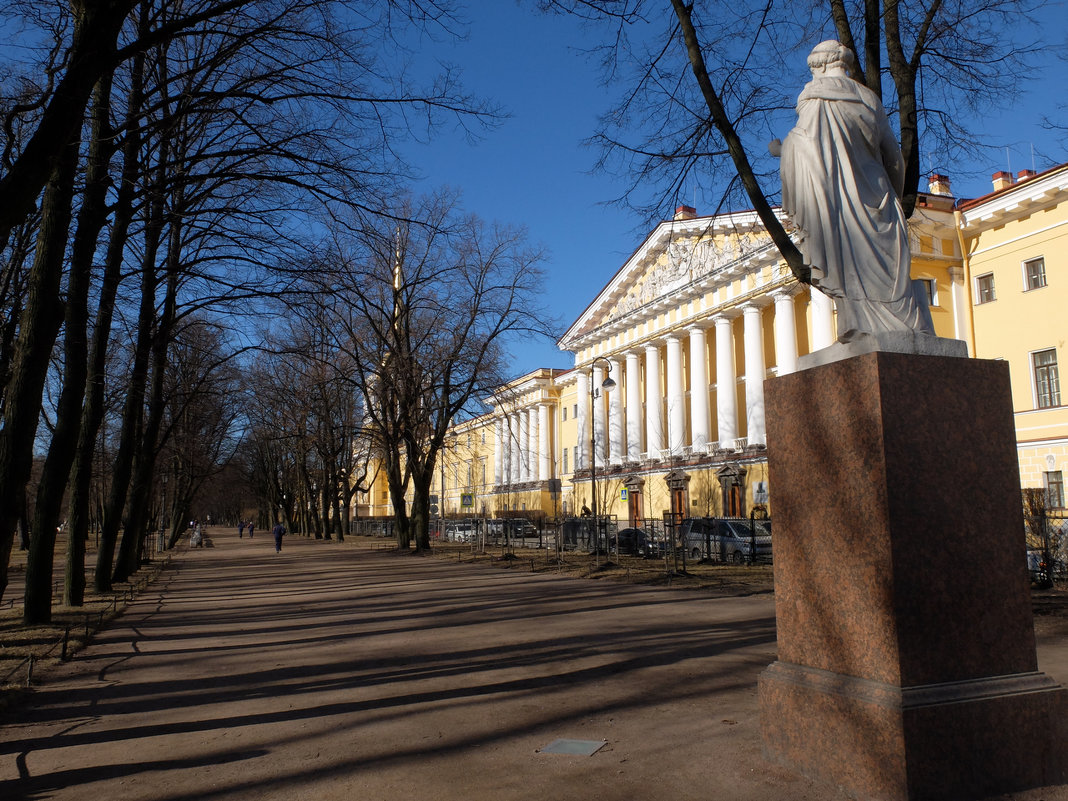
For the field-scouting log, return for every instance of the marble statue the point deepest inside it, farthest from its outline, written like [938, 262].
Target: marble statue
[842, 179]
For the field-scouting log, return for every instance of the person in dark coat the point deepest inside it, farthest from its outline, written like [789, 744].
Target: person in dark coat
[279, 531]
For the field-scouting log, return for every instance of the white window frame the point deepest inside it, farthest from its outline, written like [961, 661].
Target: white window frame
[1035, 382]
[978, 290]
[1060, 489]
[1027, 276]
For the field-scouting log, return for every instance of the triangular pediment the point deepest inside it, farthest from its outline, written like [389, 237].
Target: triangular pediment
[679, 258]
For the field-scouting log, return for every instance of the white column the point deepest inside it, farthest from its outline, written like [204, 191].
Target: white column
[755, 371]
[545, 456]
[582, 421]
[785, 333]
[498, 451]
[822, 319]
[615, 415]
[510, 434]
[726, 378]
[654, 409]
[675, 399]
[698, 389]
[533, 444]
[524, 446]
[517, 448]
[599, 422]
[960, 311]
[634, 408]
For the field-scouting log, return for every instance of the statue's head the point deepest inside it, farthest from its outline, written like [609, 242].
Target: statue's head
[830, 56]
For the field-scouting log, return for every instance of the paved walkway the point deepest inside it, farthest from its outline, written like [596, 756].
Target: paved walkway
[330, 672]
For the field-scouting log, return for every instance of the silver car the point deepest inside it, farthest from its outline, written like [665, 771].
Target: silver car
[720, 539]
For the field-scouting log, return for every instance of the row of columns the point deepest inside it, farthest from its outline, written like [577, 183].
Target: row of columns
[521, 446]
[619, 413]
[522, 450]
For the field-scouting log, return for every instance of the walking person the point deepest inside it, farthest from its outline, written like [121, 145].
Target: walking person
[279, 531]
[251, 528]
[241, 530]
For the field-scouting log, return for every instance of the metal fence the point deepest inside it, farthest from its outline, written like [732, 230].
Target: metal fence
[1046, 533]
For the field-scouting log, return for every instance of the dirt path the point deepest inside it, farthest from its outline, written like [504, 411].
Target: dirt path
[330, 672]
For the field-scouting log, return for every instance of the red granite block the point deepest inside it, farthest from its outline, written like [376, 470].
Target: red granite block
[899, 564]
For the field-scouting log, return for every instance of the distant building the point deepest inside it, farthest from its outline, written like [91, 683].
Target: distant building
[1016, 263]
[702, 313]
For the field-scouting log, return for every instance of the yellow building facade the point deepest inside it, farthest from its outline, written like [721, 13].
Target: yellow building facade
[687, 329]
[701, 314]
[1016, 261]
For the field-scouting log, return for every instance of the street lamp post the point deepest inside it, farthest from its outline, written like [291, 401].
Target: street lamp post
[595, 393]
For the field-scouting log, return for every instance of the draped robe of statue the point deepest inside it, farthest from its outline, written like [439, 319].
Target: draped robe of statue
[842, 179]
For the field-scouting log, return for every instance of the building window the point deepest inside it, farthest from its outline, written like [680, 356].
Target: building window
[565, 460]
[1047, 382]
[574, 411]
[1054, 489]
[565, 412]
[984, 288]
[930, 287]
[1035, 273]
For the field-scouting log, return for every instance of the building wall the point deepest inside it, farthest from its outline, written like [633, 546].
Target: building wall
[702, 313]
[689, 328]
[1023, 220]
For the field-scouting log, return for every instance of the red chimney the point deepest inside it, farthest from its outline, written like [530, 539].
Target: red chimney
[938, 185]
[1002, 180]
[685, 213]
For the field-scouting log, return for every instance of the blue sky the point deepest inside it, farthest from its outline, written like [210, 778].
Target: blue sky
[533, 169]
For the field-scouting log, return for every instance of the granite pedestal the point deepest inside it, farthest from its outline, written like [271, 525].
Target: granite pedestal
[906, 654]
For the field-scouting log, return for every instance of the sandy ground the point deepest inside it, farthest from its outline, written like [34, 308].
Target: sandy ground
[336, 672]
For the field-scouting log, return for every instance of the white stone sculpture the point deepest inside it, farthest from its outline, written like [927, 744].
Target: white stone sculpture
[842, 179]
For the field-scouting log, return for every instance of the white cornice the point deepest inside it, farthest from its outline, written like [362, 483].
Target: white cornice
[1018, 200]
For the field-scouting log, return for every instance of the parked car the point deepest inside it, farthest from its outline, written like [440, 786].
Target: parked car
[632, 541]
[639, 542]
[515, 528]
[721, 539]
[460, 531]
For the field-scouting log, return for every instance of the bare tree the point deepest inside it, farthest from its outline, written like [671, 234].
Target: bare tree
[259, 114]
[425, 308]
[705, 90]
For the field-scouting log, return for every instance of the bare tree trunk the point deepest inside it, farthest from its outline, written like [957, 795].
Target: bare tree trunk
[397, 489]
[422, 481]
[65, 438]
[133, 410]
[12, 295]
[38, 329]
[137, 516]
[791, 255]
[93, 410]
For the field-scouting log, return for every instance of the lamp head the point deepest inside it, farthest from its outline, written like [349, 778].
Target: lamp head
[608, 383]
